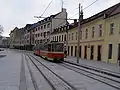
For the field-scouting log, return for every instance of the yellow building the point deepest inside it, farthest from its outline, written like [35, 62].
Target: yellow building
[99, 38]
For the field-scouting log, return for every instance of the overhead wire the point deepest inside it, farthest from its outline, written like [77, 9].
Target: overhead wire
[46, 8]
[85, 8]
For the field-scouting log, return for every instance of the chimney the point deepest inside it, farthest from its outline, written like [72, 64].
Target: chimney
[63, 10]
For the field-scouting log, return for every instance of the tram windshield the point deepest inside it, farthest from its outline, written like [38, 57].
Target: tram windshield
[57, 47]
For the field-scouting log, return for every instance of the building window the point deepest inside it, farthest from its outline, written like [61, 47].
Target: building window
[76, 35]
[72, 36]
[44, 34]
[111, 28]
[93, 32]
[48, 25]
[33, 30]
[41, 34]
[69, 36]
[81, 34]
[38, 28]
[110, 51]
[100, 30]
[55, 38]
[48, 32]
[62, 37]
[41, 27]
[59, 38]
[86, 36]
[65, 37]
[44, 26]
[38, 34]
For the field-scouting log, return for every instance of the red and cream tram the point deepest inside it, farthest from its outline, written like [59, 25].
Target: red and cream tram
[51, 51]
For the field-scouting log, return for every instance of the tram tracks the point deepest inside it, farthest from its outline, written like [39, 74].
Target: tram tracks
[109, 80]
[55, 81]
[100, 70]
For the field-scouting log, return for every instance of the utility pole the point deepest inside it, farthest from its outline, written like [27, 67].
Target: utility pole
[79, 29]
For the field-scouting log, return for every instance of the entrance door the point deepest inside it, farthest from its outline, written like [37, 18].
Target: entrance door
[85, 52]
[75, 51]
[99, 53]
[118, 52]
[68, 50]
[92, 53]
[71, 50]
[80, 52]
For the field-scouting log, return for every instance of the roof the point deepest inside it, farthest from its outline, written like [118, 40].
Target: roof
[48, 18]
[32, 26]
[106, 13]
[64, 28]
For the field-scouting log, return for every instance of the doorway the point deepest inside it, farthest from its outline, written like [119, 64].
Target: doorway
[75, 51]
[85, 52]
[71, 50]
[99, 52]
[119, 52]
[92, 53]
[80, 52]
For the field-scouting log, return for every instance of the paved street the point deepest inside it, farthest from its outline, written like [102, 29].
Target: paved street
[21, 71]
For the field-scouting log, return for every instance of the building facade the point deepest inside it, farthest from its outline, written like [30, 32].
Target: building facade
[99, 37]
[16, 37]
[40, 32]
[46, 26]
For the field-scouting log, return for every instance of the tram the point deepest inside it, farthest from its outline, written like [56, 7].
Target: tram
[53, 51]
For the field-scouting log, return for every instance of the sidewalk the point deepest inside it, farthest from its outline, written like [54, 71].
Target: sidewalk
[102, 65]
[10, 64]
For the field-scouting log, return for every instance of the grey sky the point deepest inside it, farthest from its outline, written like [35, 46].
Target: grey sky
[21, 12]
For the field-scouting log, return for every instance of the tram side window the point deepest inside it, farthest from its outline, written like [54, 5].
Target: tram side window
[52, 48]
[46, 47]
[49, 47]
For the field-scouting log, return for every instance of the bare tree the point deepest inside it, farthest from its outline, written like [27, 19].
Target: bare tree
[1, 29]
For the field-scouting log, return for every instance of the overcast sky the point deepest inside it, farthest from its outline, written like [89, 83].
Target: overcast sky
[18, 13]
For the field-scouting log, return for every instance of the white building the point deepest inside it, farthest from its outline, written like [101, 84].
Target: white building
[42, 32]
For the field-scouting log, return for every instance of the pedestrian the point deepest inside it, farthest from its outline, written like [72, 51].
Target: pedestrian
[65, 53]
